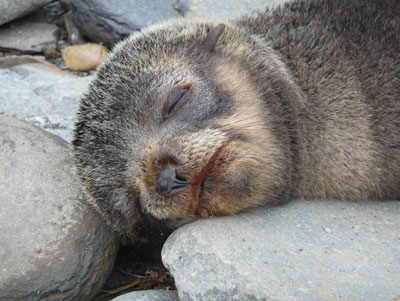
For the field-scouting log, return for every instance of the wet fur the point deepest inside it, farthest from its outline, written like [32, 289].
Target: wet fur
[298, 102]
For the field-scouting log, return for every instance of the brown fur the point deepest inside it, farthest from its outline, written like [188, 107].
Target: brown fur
[299, 102]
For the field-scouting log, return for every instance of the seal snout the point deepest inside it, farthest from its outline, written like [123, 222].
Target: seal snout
[169, 180]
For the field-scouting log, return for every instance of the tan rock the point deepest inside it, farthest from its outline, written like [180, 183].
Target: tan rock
[84, 57]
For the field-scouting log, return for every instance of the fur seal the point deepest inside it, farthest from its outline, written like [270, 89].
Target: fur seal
[194, 118]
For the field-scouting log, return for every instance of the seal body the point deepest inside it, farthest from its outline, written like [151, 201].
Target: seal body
[192, 118]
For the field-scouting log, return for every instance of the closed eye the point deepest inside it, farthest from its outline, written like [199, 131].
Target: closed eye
[177, 97]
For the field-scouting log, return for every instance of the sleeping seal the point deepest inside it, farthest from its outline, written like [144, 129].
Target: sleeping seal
[194, 118]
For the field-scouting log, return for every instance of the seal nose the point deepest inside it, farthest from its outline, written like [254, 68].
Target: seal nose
[169, 180]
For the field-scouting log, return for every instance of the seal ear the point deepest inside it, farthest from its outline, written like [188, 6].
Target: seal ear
[212, 38]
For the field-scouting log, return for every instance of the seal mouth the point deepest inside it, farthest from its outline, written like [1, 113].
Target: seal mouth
[203, 183]
[204, 186]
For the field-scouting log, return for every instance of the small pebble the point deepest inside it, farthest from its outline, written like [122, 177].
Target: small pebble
[50, 53]
[84, 57]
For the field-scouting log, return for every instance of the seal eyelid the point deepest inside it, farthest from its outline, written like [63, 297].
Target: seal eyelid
[176, 99]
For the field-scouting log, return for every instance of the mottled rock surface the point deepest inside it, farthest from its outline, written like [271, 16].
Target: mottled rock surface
[84, 57]
[304, 250]
[12, 9]
[48, 97]
[109, 21]
[151, 295]
[52, 245]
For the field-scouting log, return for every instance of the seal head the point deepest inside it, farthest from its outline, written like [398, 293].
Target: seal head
[175, 127]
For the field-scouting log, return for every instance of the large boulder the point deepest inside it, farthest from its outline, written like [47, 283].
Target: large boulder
[39, 92]
[303, 250]
[109, 21]
[224, 9]
[52, 245]
[12, 9]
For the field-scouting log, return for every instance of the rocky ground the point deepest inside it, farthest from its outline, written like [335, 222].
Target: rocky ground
[54, 247]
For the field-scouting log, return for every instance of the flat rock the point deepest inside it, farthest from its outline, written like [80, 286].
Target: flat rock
[27, 36]
[303, 250]
[30, 62]
[44, 95]
[84, 57]
[150, 295]
[109, 21]
[223, 9]
[52, 246]
[12, 9]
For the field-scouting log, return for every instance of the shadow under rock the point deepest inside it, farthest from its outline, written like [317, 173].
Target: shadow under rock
[137, 267]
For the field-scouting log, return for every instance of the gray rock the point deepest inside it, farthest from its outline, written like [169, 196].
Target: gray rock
[109, 21]
[151, 295]
[52, 246]
[224, 9]
[27, 36]
[47, 97]
[304, 250]
[74, 35]
[12, 9]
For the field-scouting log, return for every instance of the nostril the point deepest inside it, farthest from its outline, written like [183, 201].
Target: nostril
[169, 180]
